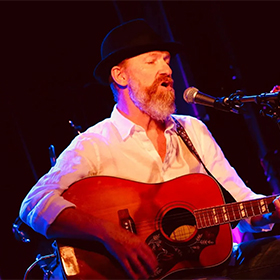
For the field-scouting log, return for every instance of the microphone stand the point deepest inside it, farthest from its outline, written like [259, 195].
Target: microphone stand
[269, 107]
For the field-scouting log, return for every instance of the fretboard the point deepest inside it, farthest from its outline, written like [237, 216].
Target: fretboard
[233, 212]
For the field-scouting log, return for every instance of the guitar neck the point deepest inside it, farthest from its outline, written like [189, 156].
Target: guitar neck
[233, 212]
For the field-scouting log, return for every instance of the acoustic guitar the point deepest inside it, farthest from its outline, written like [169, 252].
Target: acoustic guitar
[185, 221]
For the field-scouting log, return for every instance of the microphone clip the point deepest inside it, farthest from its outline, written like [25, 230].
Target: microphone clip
[269, 108]
[268, 102]
[234, 101]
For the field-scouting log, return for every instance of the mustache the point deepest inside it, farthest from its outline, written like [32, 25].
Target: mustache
[164, 80]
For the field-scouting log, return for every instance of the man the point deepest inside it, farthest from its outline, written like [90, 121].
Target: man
[138, 142]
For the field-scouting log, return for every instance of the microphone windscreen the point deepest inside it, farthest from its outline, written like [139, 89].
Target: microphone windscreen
[189, 94]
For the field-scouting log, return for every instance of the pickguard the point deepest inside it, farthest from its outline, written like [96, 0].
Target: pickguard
[179, 241]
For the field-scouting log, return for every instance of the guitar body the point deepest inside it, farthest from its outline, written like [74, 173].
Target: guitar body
[164, 218]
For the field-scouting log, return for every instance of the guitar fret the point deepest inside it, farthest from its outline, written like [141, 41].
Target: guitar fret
[237, 211]
[250, 212]
[206, 218]
[204, 225]
[231, 216]
[215, 218]
[202, 219]
[220, 214]
[232, 212]
[211, 217]
[199, 222]
[264, 206]
[198, 219]
[211, 220]
[245, 208]
[242, 210]
[267, 207]
[225, 214]
[253, 209]
[259, 206]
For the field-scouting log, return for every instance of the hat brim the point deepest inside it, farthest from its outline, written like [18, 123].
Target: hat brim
[102, 71]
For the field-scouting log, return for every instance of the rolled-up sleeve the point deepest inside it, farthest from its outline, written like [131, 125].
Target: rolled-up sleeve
[44, 201]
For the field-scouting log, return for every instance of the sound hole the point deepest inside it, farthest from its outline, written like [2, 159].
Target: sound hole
[178, 224]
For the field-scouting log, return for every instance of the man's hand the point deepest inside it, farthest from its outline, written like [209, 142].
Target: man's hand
[135, 256]
[276, 214]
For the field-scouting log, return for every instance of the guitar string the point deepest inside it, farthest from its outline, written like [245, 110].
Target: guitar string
[222, 217]
[232, 210]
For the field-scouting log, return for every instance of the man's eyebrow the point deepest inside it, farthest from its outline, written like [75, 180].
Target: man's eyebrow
[152, 54]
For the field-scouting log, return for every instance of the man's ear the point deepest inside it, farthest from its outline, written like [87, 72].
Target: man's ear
[119, 76]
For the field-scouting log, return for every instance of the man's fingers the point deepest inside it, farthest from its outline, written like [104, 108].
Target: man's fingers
[128, 267]
[141, 264]
[138, 268]
[148, 259]
[276, 201]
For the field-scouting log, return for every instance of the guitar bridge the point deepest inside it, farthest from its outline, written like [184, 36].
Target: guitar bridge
[126, 221]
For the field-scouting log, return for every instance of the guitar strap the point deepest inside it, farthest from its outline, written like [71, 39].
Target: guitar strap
[184, 136]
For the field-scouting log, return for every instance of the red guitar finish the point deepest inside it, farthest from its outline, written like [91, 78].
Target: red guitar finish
[185, 221]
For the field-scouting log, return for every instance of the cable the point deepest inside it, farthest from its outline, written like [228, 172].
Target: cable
[35, 263]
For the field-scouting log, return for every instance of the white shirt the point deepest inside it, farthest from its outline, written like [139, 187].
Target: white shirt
[117, 147]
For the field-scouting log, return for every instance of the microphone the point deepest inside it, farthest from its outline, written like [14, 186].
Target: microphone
[193, 95]
[233, 103]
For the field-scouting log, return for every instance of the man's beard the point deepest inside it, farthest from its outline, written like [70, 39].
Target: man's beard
[156, 101]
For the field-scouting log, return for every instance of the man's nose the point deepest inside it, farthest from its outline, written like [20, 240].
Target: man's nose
[165, 69]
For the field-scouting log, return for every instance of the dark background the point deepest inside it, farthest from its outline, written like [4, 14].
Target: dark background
[48, 53]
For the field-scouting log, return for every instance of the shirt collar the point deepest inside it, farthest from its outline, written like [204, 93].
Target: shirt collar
[125, 126]
[170, 124]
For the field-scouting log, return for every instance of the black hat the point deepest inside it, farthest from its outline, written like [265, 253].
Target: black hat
[127, 40]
